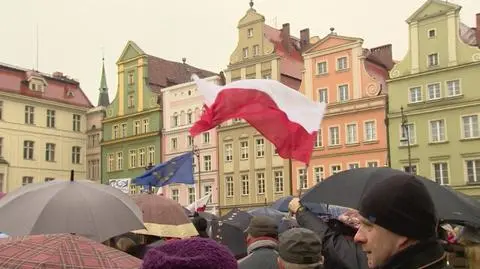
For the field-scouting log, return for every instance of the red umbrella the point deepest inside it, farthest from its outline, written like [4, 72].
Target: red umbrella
[62, 251]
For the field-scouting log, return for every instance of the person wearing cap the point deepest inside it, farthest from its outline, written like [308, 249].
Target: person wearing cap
[262, 244]
[299, 248]
[201, 225]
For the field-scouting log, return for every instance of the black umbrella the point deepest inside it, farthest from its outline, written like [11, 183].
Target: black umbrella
[238, 218]
[269, 212]
[347, 188]
[230, 235]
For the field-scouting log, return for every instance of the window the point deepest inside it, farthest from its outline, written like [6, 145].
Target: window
[245, 52]
[412, 170]
[415, 94]
[470, 126]
[76, 122]
[48, 179]
[207, 163]
[353, 165]
[120, 160]
[131, 79]
[151, 155]
[1, 111]
[191, 195]
[206, 138]
[124, 130]
[28, 150]
[175, 195]
[267, 76]
[1, 182]
[408, 131]
[189, 117]
[352, 133]
[370, 131]
[432, 59]
[342, 63]
[319, 139]
[372, 164]
[440, 171]
[260, 183]
[256, 50]
[432, 33]
[473, 171]
[75, 155]
[133, 158]
[111, 162]
[50, 152]
[131, 101]
[50, 118]
[323, 95]
[260, 144]
[335, 169]
[333, 136]
[250, 32]
[1, 146]
[142, 158]
[136, 127]
[228, 152]
[27, 180]
[146, 126]
[245, 185]
[115, 131]
[29, 115]
[189, 140]
[244, 150]
[229, 186]
[318, 174]
[434, 91]
[278, 178]
[322, 68]
[173, 143]
[207, 189]
[453, 88]
[343, 93]
[437, 131]
[302, 179]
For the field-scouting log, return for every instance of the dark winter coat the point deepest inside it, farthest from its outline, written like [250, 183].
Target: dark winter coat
[262, 255]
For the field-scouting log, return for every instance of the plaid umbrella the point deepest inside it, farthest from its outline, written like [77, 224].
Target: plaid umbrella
[61, 251]
[163, 217]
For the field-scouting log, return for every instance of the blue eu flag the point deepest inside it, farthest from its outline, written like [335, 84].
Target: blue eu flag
[176, 170]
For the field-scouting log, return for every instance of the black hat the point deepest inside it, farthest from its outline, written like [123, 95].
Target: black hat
[262, 226]
[402, 205]
[300, 246]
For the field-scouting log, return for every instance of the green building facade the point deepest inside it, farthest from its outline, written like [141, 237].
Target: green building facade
[438, 86]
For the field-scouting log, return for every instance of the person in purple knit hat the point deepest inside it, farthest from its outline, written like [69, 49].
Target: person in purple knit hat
[193, 253]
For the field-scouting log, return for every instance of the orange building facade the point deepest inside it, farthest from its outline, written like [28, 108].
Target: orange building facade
[352, 81]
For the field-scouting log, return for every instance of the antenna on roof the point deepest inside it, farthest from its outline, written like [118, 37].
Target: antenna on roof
[275, 21]
[37, 46]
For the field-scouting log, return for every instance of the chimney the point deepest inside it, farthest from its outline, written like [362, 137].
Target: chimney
[304, 39]
[285, 33]
[478, 30]
[57, 74]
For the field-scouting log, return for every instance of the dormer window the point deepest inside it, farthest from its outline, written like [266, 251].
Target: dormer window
[250, 32]
[36, 82]
[36, 86]
[70, 93]
[432, 33]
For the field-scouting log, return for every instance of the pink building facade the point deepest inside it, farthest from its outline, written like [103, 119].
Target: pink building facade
[182, 106]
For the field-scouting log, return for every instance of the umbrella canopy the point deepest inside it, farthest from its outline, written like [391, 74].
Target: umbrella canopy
[231, 236]
[238, 218]
[282, 206]
[163, 217]
[62, 251]
[347, 188]
[95, 211]
[268, 212]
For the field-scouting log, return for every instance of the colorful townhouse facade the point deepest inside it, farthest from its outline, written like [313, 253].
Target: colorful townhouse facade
[434, 106]
[182, 106]
[94, 130]
[133, 124]
[251, 174]
[352, 81]
[42, 127]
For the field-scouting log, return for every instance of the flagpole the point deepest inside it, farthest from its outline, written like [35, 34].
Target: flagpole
[196, 152]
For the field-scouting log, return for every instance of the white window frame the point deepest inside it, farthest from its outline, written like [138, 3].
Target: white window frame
[151, 155]
[132, 157]
[374, 132]
[229, 186]
[278, 181]
[76, 155]
[414, 166]
[256, 50]
[111, 162]
[245, 52]
[335, 165]
[28, 150]
[429, 97]
[173, 143]
[245, 184]
[119, 160]
[228, 149]
[319, 173]
[302, 178]
[462, 126]
[175, 195]
[413, 137]
[438, 59]
[137, 129]
[250, 32]
[354, 164]
[435, 33]
[347, 64]
[259, 148]
[49, 152]
[261, 183]
[123, 130]
[145, 126]
[142, 160]
[244, 150]
[410, 100]
[319, 63]
[330, 144]
[115, 132]
[474, 170]
[432, 167]
[206, 138]
[319, 139]
[447, 92]
[368, 162]
[323, 94]
[339, 92]
[207, 163]
[347, 133]
[431, 134]
[51, 123]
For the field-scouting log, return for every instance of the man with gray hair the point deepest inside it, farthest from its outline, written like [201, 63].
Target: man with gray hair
[300, 248]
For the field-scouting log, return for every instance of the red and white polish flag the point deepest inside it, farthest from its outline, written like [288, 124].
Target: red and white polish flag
[281, 114]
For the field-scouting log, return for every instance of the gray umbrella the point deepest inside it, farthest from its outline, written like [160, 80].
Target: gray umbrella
[82, 207]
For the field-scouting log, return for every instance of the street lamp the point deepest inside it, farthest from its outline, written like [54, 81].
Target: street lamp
[196, 152]
[148, 167]
[406, 131]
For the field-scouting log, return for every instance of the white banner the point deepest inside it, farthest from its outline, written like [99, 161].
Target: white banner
[122, 184]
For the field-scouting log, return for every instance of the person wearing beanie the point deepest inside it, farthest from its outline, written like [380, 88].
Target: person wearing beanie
[300, 248]
[398, 226]
[201, 225]
[262, 244]
[192, 253]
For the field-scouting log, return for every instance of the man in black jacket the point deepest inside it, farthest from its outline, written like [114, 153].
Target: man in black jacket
[398, 226]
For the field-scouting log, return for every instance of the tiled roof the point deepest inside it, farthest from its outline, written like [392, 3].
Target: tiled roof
[164, 73]
[14, 80]
[468, 35]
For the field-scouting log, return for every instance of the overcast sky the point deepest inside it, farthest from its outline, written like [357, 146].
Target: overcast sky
[73, 33]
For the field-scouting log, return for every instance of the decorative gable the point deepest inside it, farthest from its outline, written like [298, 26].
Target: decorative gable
[433, 8]
[333, 40]
[130, 51]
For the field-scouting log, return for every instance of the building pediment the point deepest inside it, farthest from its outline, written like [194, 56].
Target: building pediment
[251, 17]
[130, 51]
[432, 8]
[332, 40]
